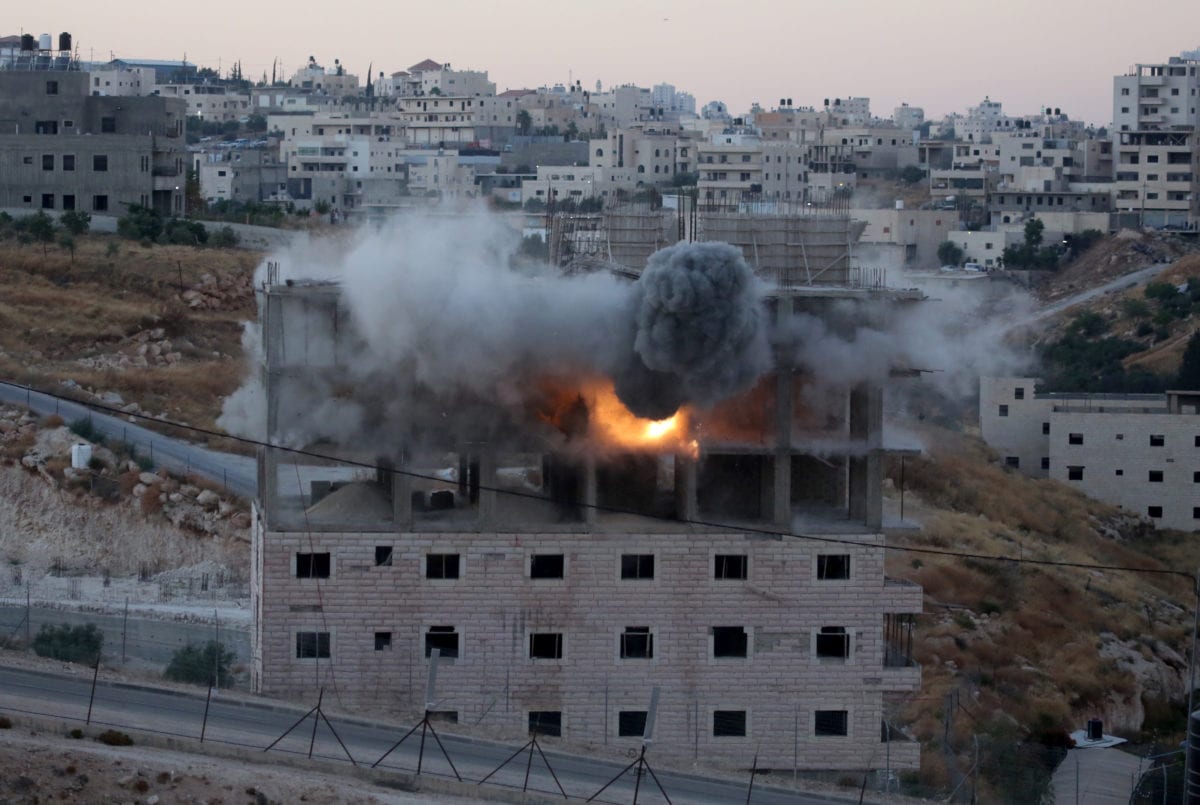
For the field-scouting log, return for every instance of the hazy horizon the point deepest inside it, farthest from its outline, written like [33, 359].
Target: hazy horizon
[941, 55]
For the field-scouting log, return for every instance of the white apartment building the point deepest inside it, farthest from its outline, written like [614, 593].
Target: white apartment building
[648, 153]
[213, 102]
[335, 81]
[436, 120]
[121, 80]
[1139, 452]
[908, 117]
[428, 77]
[984, 120]
[1156, 140]
[875, 150]
[849, 111]
[623, 106]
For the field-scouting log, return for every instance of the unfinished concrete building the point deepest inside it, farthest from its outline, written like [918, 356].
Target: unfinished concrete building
[736, 563]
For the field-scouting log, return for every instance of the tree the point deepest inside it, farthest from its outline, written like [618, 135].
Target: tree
[41, 228]
[1189, 368]
[67, 241]
[1034, 230]
[77, 222]
[949, 253]
[524, 122]
[911, 174]
[207, 664]
[140, 223]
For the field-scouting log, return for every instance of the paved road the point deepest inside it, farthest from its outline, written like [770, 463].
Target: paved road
[1119, 284]
[255, 725]
[1096, 776]
[236, 473]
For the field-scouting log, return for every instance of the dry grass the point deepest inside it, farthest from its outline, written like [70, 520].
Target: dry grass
[1024, 640]
[54, 313]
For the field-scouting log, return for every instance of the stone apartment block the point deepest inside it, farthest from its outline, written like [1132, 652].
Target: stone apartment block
[1156, 143]
[213, 102]
[1139, 452]
[561, 588]
[63, 149]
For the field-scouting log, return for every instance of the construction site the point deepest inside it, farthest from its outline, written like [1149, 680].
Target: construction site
[575, 535]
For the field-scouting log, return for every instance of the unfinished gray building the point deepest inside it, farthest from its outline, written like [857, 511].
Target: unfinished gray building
[739, 569]
[62, 149]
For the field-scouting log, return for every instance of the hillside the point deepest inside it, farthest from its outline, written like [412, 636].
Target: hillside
[1031, 651]
[157, 327]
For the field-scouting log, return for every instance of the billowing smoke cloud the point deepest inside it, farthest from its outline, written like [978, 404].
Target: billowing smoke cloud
[445, 327]
[700, 334]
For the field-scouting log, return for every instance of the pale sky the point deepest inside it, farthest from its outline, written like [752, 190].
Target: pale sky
[944, 55]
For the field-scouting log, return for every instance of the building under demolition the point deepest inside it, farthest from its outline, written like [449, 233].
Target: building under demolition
[565, 556]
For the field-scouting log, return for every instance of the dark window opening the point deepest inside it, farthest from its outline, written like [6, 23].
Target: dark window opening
[47, 201]
[637, 643]
[831, 722]
[383, 641]
[312, 645]
[68, 202]
[1074, 473]
[637, 565]
[631, 723]
[1196, 477]
[545, 722]
[47, 162]
[833, 566]
[833, 642]
[546, 646]
[546, 566]
[1156, 476]
[1074, 438]
[100, 203]
[731, 566]
[383, 556]
[45, 127]
[1004, 410]
[1157, 440]
[1012, 461]
[441, 566]
[1045, 428]
[108, 125]
[1154, 511]
[443, 716]
[1045, 462]
[51, 87]
[444, 638]
[729, 723]
[100, 163]
[730, 641]
[1196, 512]
[312, 565]
[1019, 393]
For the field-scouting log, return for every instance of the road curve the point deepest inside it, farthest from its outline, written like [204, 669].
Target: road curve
[236, 473]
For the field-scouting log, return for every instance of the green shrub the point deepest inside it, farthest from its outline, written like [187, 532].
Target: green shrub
[114, 738]
[1135, 308]
[140, 223]
[77, 222]
[206, 664]
[1144, 329]
[5, 723]
[75, 733]
[179, 232]
[224, 238]
[84, 429]
[112, 249]
[69, 643]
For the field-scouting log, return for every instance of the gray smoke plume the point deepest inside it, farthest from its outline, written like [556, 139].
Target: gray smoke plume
[700, 333]
[445, 329]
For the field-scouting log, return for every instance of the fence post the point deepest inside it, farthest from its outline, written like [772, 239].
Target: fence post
[124, 628]
[92, 698]
[28, 613]
[204, 724]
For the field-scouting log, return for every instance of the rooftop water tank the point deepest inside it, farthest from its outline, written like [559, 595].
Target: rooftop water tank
[45, 42]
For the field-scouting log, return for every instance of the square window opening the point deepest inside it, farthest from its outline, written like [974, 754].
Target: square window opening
[546, 646]
[1074, 473]
[833, 643]
[383, 556]
[729, 724]
[631, 723]
[1154, 511]
[730, 641]
[832, 566]
[546, 566]
[637, 643]
[831, 723]
[637, 565]
[312, 565]
[443, 638]
[312, 645]
[732, 566]
[383, 641]
[441, 566]
[545, 722]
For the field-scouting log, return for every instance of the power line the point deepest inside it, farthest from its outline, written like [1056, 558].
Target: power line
[599, 507]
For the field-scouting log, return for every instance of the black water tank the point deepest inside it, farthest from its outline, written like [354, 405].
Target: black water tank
[28, 42]
[1095, 729]
[64, 41]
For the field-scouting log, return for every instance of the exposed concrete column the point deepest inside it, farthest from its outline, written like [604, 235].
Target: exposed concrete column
[866, 470]
[780, 511]
[402, 488]
[486, 463]
[686, 505]
[589, 489]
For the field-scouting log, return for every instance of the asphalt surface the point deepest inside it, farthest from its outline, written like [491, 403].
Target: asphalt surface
[256, 725]
[236, 473]
[1122, 283]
